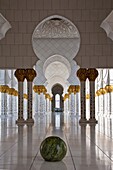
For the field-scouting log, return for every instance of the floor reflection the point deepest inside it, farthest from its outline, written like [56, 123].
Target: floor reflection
[57, 119]
[89, 147]
[53, 166]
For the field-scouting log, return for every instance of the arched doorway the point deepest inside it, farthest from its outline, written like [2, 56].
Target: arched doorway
[57, 105]
[57, 101]
[57, 38]
[56, 42]
[57, 90]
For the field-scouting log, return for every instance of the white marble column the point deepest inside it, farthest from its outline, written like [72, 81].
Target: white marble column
[98, 103]
[77, 100]
[106, 105]
[36, 104]
[10, 105]
[15, 105]
[25, 108]
[30, 75]
[77, 104]
[66, 113]
[69, 104]
[101, 104]
[2, 104]
[72, 105]
[97, 100]
[47, 112]
[48, 105]
[5, 104]
[111, 107]
[50, 110]
[42, 105]
[109, 103]
[65, 106]
[39, 104]
[20, 75]
[109, 90]
[3, 93]
[12, 101]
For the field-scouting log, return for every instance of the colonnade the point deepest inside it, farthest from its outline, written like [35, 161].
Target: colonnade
[104, 100]
[42, 101]
[21, 74]
[8, 96]
[12, 100]
[73, 90]
[91, 74]
[74, 100]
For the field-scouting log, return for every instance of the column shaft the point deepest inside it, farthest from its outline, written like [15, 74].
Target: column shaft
[30, 74]
[29, 104]
[92, 74]
[83, 103]
[20, 75]
[20, 101]
[92, 102]
[82, 75]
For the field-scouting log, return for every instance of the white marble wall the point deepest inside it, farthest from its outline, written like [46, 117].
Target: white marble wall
[16, 49]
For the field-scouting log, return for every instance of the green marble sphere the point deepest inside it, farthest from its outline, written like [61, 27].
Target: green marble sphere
[53, 149]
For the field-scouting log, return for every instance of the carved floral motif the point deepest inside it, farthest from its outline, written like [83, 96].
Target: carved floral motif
[57, 28]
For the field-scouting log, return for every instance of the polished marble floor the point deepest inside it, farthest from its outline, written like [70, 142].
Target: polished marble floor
[89, 147]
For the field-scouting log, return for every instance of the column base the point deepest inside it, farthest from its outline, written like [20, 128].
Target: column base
[29, 121]
[83, 121]
[20, 122]
[92, 121]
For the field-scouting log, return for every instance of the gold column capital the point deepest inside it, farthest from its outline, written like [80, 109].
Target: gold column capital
[73, 89]
[25, 96]
[109, 88]
[36, 89]
[77, 88]
[82, 74]
[30, 74]
[87, 96]
[47, 96]
[92, 74]
[102, 91]
[98, 93]
[20, 74]
[44, 90]
[66, 96]
[11, 91]
[15, 93]
[39, 89]
[50, 98]
[4, 88]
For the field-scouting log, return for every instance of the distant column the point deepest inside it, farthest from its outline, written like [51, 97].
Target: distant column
[3, 93]
[77, 110]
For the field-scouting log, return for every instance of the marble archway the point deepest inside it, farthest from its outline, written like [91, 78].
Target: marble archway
[56, 36]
